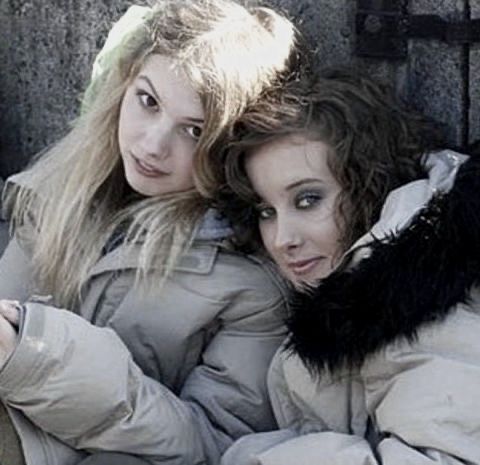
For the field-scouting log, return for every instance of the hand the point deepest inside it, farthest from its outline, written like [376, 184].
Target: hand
[9, 309]
[9, 318]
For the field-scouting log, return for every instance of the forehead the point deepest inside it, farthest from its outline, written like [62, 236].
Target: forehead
[171, 84]
[286, 161]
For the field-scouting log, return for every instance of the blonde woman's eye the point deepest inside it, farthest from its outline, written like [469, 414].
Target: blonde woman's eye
[308, 200]
[147, 100]
[194, 132]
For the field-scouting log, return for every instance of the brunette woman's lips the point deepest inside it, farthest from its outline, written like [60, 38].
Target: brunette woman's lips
[303, 267]
[146, 169]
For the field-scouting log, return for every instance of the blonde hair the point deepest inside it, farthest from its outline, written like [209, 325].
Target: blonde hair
[77, 193]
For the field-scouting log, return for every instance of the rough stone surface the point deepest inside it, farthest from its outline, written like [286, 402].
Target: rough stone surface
[47, 47]
[329, 26]
[436, 72]
[46, 50]
[474, 74]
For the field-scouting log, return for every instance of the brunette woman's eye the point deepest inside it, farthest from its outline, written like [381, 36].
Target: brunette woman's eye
[264, 212]
[307, 200]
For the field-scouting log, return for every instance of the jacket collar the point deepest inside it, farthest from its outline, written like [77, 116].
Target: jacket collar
[211, 230]
[199, 259]
[419, 260]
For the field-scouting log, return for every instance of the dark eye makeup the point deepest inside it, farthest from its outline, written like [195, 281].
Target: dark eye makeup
[308, 199]
[264, 212]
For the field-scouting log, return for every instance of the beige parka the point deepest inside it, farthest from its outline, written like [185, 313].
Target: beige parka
[172, 376]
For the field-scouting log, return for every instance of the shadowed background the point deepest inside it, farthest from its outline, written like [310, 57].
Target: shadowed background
[47, 48]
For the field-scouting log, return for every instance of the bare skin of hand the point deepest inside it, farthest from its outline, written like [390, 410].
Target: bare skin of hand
[9, 318]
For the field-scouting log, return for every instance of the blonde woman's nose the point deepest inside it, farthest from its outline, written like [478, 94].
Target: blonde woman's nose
[157, 141]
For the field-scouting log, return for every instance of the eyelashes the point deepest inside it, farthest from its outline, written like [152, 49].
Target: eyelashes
[264, 212]
[302, 201]
[194, 131]
[307, 199]
[149, 103]
[146, 100]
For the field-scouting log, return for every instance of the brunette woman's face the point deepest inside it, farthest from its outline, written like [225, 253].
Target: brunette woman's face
[161, 119]
[297, 211]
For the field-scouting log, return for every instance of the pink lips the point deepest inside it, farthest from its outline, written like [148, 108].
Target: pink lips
[147, 170]
[303, 267]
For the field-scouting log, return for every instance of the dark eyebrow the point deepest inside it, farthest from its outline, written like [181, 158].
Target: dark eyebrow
[154, 92]
[295, 184]
[196, 120]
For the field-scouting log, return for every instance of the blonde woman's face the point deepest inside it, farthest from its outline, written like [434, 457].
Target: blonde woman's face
[297, 211]
[161, 119]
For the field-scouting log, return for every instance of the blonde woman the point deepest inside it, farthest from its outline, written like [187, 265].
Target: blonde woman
[155, 335]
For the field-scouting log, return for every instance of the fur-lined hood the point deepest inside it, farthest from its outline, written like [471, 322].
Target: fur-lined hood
[422, 258]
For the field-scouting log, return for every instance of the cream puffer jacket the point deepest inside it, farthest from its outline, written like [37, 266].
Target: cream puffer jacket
[383, 361]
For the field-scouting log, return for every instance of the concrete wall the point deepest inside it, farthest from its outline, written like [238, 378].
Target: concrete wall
[46, 51]
[473, 79]
[47, 47]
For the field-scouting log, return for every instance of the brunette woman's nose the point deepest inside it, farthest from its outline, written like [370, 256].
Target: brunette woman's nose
[287, 235]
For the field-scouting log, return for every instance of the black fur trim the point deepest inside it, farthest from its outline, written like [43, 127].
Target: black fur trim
[409, 280]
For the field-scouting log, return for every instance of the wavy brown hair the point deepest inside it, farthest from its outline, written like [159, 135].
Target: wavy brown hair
[376, 145]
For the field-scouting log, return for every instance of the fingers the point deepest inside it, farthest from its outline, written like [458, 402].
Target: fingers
[9, 309]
